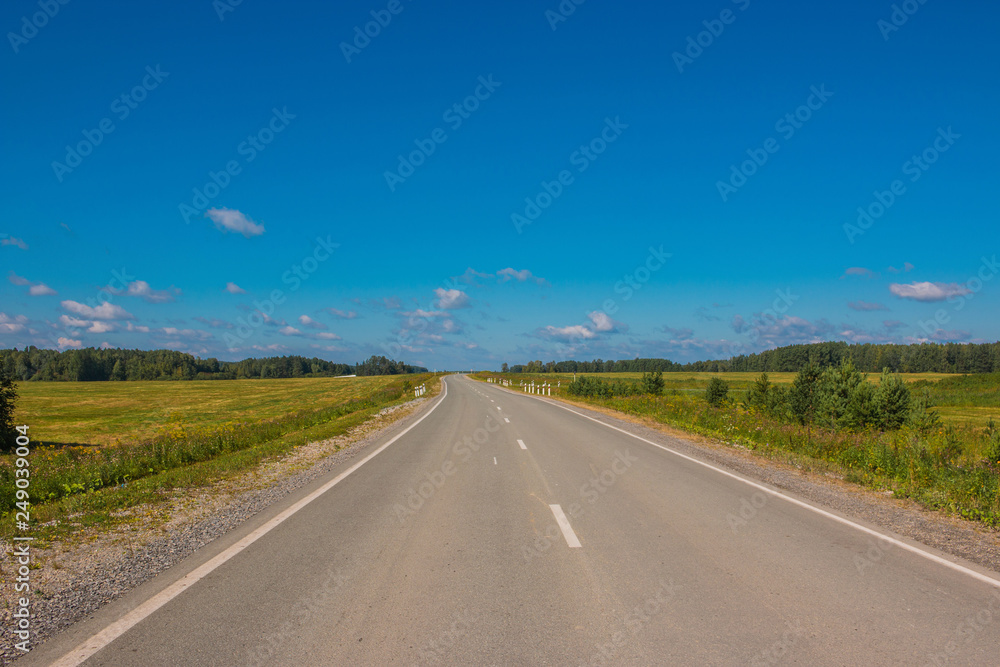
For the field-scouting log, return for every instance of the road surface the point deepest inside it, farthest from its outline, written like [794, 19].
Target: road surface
[505, 530]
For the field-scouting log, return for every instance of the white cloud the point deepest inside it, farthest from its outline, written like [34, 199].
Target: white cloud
[344, 315]
[10, 324]
[105, 311]
[34, 289]
[289, 331]
[14, 242]
[907, 267]
[858, 271]
[231, 220]
[326, 335]
[421, 313]
[520, 276]
[575, 332]
[92, 326]
[41, 289]
[307, 321]
[450, 299]
[604, 323]
[926, 291]
[141, 289]
[106, 345]
[69, 342]
[233, 288]
[136, 327]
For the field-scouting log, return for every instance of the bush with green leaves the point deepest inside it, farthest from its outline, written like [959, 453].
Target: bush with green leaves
[717, 393]
[803, 397]
[8, 400]
[892, 402]
[652, 383]
[766, 397]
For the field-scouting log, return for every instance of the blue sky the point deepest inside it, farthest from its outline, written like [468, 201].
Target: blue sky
[474, 184]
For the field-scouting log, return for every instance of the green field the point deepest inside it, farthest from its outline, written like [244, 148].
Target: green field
[956, 404]
[102, 448]
[102, 413]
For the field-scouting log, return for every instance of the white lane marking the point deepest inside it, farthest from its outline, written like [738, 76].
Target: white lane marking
[494, 460]
[91, 646]
[567, 530]
[839, 519]
[498, 407]
[521, 442]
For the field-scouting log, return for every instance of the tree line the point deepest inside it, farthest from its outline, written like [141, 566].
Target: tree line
[866, 357]
[96, 365]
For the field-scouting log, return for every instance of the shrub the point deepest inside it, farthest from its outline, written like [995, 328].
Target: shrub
[892, 402]
[8, 399]
[652, 383]
[717, 393]
[766, 397]
[803, 397]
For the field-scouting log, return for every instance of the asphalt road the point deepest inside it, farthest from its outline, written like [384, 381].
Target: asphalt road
[502, 529]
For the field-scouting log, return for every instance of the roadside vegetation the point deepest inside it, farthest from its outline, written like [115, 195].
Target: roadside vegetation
[880, 431]
[192, 436]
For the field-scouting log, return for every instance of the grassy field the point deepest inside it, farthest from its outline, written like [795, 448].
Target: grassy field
[99, 448]
[954, 465]
[103, 413]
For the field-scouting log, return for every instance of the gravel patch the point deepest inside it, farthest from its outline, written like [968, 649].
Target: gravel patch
[76, 579]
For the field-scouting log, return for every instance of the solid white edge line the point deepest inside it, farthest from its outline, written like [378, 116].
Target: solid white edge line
[506, 420]
[847, 522]
[95, 643]
[567, 530]
[521, 442]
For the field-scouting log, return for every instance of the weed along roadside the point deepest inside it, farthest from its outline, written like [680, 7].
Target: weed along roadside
[79, 486]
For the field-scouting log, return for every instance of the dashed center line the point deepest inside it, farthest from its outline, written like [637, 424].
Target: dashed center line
[521, 442]
[506, 420]
[567, 530]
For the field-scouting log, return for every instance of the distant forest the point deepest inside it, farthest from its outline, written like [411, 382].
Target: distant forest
[95, 365]
[868, 358]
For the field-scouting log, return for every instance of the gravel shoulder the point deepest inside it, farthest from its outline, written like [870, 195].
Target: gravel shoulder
[73, 579]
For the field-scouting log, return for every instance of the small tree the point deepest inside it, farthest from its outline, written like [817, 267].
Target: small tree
[652, 383]
[717, 392]
[504, 368]
[766, 397]
[8, 399]
[803, 397]
[892, 401]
